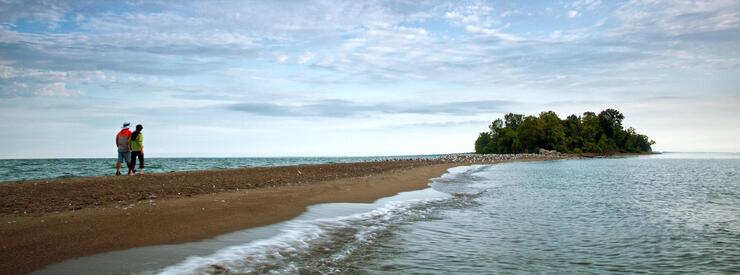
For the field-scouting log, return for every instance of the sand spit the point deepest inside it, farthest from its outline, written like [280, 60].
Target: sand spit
[47, 221]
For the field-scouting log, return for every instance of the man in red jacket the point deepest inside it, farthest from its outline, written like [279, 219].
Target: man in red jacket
[124, 152]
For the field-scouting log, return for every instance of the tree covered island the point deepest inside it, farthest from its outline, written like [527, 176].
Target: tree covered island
[590, 133]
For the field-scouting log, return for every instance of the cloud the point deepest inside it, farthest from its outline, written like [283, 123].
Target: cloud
[432, 62]
[281, 58]
[482, 20]
[174, 54]
[19, 82]
[189, 37]
[376, 42]
[365, 41]
[305, 57]
[586, 4]
[443, 124]
[343, 109]
[55, 89]
[51, 13]
[678, 17]
[493, 33]
[383, 53]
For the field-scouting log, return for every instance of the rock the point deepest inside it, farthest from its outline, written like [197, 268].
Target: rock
[548, 152]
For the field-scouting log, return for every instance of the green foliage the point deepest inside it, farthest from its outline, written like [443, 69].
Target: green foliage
[553, 130]
[590, 133]
[513, 120]
[590, 127]
[496, 126]
[482, 141]
[610, 121]
[530, 133]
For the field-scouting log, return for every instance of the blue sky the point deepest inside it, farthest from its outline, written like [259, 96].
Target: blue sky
[297, 78]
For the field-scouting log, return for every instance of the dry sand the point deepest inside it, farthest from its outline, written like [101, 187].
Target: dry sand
[44, 222]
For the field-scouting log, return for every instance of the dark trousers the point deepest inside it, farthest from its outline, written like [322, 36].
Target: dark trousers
[134, 155]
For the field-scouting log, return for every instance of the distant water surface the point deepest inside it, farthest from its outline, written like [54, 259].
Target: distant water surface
[652, 214]
[647, 214]
[32, 169]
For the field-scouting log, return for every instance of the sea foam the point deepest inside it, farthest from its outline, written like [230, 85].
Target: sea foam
[315, 241]
[298, 239]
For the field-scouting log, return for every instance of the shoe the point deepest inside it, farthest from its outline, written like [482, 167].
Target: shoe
[118, 173]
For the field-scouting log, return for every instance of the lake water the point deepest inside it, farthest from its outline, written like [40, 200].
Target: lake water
[33, 169]
[671, 213]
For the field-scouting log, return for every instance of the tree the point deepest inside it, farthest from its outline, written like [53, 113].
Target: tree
[590, 127]
[496, 126]
[481, 143]
[530, 133]
[553, 132]
[508, 142]
[610, 121]
[572, 125]
[593, 133]
[573, 132]
[513, 120]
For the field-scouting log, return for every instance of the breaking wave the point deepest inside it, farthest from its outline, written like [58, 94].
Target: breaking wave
[328, 245]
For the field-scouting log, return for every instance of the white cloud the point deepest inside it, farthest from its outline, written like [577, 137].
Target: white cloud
[49, 12]
[556, 34]
[197, 54]
[56, 89]
[678, 17]
[482, 20]
[281, 58]
[305, 57]
[26, 89]
[586, 4]
[383, 52]
[493, 33]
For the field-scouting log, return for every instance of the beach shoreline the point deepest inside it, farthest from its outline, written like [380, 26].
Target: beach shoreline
[69, 218]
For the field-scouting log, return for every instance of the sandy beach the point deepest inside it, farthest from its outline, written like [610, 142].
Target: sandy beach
[47, 221]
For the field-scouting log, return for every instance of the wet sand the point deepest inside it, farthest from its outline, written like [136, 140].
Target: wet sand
[44, 222]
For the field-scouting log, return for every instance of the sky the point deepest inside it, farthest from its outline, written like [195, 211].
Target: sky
[356, 78]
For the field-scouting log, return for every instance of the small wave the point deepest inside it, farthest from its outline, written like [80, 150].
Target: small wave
[469, 195]
[456, 172]
[304, 242]
[154, 165]
[457, 180]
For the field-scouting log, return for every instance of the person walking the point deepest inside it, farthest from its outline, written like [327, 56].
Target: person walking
[124, 152]
[136, 143]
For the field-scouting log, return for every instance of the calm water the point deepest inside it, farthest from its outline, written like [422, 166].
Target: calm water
[665, 214]
[31, 169]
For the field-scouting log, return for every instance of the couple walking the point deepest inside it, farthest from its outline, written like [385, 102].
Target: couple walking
[130, 146]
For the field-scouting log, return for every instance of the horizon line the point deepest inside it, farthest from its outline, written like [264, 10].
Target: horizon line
[331, 156]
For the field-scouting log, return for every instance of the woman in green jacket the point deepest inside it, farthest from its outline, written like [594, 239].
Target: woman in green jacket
[136, 143]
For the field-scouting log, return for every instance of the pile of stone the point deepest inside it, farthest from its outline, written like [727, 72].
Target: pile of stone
[549, 152]
[489, 158]
[480, 158]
